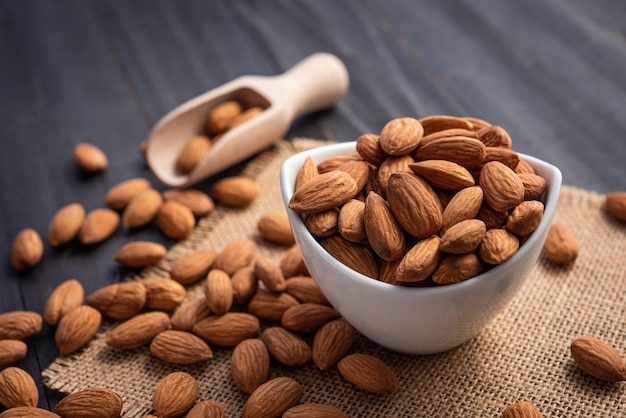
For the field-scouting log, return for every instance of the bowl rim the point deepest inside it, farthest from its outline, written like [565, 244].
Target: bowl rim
[550, 203]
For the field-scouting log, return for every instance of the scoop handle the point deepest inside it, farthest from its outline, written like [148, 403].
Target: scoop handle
[315, 83]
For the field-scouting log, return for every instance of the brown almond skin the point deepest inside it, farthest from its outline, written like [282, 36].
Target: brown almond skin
[506, 156]
[414, 204]
[197, 201]
[420, 261]
[180, 347]
[189, 314]
[616, 205]
[175, 394]
[494, 136]
[250, 364]
[119, 195]
[307, 317]
[521, 410]
[207, 409]
[502, 187]
[444, 174]
[17, 388]
[498, 246]
[384, 234]
[353, 255]
[534, 186]
[90, 158]
[291, 263]
[28, 412]
[192, 153]
[312, 410]
[332, 163]
[286, 347]
[175, 220]
[269, 273]
[194, 266]
[401, 136]
[237, 192]
[12, 352]
[229, 329]
[66, 224]
[245, 285]
[465, 151]
[306, 172]
[436, 123]
[368, 147]
[138, 330]
[465, 204]
[275, 227]
[142, 209]
[119, 300]
[561, 246]
[351, 222]
[245, 116]
[391, 165]
[463, 237]
[26, 250]
[99, 224]
[269, 306]
[65, 297]
[455, 268]
[19, 325]
[598, 359]
[91, 403]
[218, 291]
[162, 293]
[221, 115]
[331, 342]
[237, 254]
[358, 169]
[305, 290]
[323, 224]
[525, 218]
[368, 373]
[273, 398]
[140, 254]
[324, 192]
[76, 329]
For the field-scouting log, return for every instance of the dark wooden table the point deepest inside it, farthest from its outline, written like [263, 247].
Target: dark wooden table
[550, 72]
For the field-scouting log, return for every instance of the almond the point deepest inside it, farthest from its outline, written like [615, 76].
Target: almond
[390, 166]
[218, 291]
[306, 172]
[90, 158]
[384, 234]
[502, 187]
[524, 167]
[465, 151]
[353, 255]
[237, 254]
[401, 136]
[194, 266]
[350, 221]
[65, 297]
[463, 237]
[420, 261]
[17, 388]
[324, 192]
[561, 245]
[138, 330]
[598, 359]
[12, 352]
[245, 285]
[180, 347]
[99, 224]
[275, 227]
[66, 224]
[491, 217]
[368, 373]
[388, 272]
[446, 175]
[331, 342]
[307, 317]
[445, 133]
[175, 394]
[464, 205]
[207, 409]
[28, 412]
[292, 264]
[286, 347]
[525, 218]
[457, 268]
[506, 156]
[498, 246]
[268, 272]
[237, 192]
[229, 329]
[369, 148]
[221, 115]
[273, 398]
[250, 364]
[119, 300]
[175, 220]
[270, 306]
[494, 136]
[305, 290]
[76, 329]
[616, 205]
[119, 195]
[142, 209]
[312, 410]
[521, 410]
[477, 123]
[323, 224]
[197, 201]
[358, 169]
[192, 153]
[19, 325]
[189, 314]
[163, 294]
[332, 163]
[414, 205]
[245, 116]
[435, 123]
[27, 249]
[534, 186]
[94, 402]
[140, 254]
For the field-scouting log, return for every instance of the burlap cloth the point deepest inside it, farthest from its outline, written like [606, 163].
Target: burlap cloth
[523, 355]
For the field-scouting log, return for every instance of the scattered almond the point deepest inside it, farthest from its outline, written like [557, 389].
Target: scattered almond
[11, 352]
[269, 306]
[312, 410]
[194, 266]
[305, 290]
[119, 195]
[207, 409]
[76, 329]
[331, 342]
[17, 388]
[140, 254]
[138, 330]
[27, 249]
[616, 205]
[237, 254]
[286, 347]
[175, 220]
[175, 394]
[180, 347]
[245, 285]
[90, 158]
[66, 224]
[163, 294]
[192, 153]
[197, 201]
[119, 300]
[236, 192]
[269, 273]
[250, 364]
[142, 209]
[19, 325]
[28, 412]
[189, 314]
[307, 317]
[99, 224]
[273, 398]
[521, 410]
[229, 329]
[218, 291]
[561, 245]
[64, 298]
[599, 359]
[275, 227]
[368, 373]
[94, 402]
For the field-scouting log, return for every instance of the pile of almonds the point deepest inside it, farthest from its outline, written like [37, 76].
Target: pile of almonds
[220, 120]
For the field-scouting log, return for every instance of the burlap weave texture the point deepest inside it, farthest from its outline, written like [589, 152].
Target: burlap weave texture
[523, 355]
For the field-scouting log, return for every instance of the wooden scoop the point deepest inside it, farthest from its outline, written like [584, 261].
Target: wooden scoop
[313, 84]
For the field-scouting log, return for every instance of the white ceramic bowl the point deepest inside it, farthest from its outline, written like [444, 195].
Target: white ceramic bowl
[416, 320]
